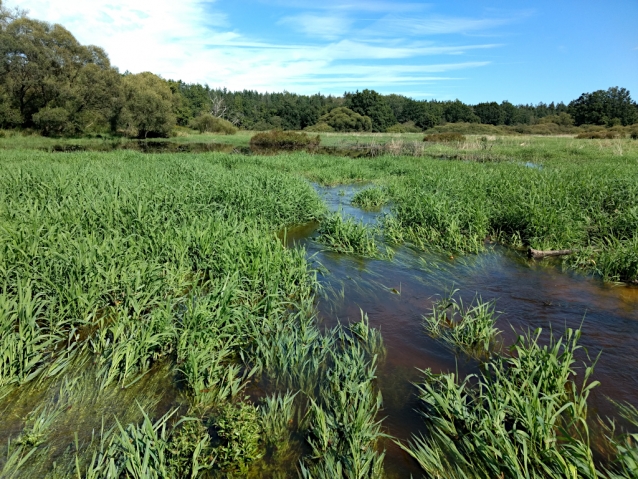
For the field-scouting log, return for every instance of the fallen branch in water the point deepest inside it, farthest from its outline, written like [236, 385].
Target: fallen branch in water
[538, 254]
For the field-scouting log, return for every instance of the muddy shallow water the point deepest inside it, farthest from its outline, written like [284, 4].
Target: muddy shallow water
[396, 294]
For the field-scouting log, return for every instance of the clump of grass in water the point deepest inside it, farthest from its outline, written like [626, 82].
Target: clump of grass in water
[370, 198]
[470, 328]
[524, 416]
[348, 236]
[343, 425]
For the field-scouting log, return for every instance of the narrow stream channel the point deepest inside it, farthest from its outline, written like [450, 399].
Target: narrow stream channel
[396, 294]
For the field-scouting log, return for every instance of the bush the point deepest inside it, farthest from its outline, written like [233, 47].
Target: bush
[207, 123]
[444, 137]
[51, 121]
[262, 125]
[284, 140]
[344, 119]
[469, 129]
[562, 119]
[598, 135]
[407, 127]
[321, 127]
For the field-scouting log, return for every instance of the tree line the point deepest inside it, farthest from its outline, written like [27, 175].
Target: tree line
[51, 83]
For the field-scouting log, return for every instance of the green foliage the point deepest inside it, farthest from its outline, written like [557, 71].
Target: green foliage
[490, 113]
[370, 198]
[523, 417]
[369, 103]
[604, 107]
[69, 95]
[239, 429]
[343, 424]
[562, 119]
[284, 140]
[468, 328]
[148, 109]
[444, 137]
[190, 448]
[407, 127]
[457, 111]
[321, 127]
[344, 119]
[207, 123]
[347, 236]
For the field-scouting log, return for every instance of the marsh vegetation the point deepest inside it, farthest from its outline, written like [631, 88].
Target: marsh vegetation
[155, 325]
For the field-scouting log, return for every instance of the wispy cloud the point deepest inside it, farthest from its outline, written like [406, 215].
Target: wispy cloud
[314, 25]
[334, 49]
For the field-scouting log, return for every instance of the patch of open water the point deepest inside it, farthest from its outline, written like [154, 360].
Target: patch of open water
[531, 294]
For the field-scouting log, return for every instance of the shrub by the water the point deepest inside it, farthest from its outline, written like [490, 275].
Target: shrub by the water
[344, 119]
[598, 135]
[207, 123]
[284, 140]
[407, 127]
[444, 137]
[321, 127]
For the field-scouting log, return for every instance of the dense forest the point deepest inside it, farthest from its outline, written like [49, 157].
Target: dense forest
[52, 84]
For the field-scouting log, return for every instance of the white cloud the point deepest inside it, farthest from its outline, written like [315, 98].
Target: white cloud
[193, 41]
[436, 25]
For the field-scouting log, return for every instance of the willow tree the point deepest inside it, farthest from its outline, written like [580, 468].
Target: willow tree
[50, 81]
[148, 106]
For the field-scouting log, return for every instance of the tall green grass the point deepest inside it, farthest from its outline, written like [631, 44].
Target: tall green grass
[118, 265]
[522, 416]
[470, 328]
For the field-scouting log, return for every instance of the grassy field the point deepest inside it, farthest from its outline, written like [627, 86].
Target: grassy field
[153, 324]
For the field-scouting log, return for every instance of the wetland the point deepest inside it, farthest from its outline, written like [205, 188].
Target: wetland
[207, 313]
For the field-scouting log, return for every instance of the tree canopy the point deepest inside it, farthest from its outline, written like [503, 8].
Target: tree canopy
[369, 103]
[344, 119]
[51, 83]
[604, 107]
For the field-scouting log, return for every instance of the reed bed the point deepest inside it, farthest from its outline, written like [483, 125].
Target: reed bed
[152, 324]
[115, 267]
[522, 416]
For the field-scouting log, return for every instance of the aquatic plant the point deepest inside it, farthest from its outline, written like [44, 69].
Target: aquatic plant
[347, 236]
[524, 416]
[370, 198]
[470, 328]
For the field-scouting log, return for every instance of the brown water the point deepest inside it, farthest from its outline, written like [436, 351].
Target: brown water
[396, 294]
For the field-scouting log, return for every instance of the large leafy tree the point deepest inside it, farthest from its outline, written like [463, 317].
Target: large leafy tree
[604, 107]
[457, 111]
[50, 81]
[369, 103]
[490, 113]
[344, 119]
[148, 106]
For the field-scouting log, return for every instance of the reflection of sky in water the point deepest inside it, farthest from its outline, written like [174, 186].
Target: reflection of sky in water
[531, 294]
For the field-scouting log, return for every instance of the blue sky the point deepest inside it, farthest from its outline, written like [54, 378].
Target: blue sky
[520, 51]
